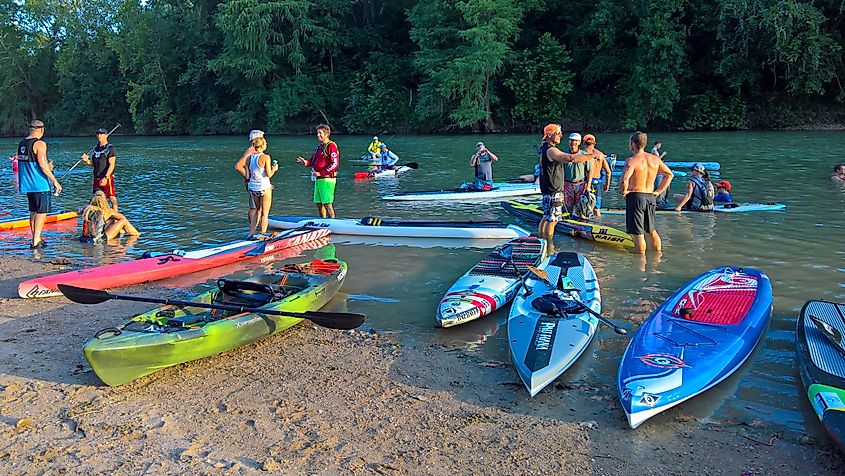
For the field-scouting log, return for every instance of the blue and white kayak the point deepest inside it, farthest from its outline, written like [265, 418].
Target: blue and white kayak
[710, 166]
[545, 343]
[820, 352]
[697, 338]
[491, 283]
[372, 226]
[718, 208]
[499, 190]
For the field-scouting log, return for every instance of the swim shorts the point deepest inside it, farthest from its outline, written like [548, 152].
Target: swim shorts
[572, 192]
[639, 213]
[324, 190]
[39, 202]
[553, 207]
[108, 188]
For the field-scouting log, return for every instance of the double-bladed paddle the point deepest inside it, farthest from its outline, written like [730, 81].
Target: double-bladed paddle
[332, 320]
[543, 276]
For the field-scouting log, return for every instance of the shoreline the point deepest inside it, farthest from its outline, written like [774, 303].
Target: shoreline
[317, 401]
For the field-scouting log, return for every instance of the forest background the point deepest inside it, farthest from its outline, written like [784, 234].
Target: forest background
[407, 66]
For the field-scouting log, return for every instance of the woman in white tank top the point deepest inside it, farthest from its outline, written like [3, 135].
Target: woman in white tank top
[260, 169]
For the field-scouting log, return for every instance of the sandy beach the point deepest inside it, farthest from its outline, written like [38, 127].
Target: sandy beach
[317, 401]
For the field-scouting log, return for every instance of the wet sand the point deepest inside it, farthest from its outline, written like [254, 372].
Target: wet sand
[317, 401]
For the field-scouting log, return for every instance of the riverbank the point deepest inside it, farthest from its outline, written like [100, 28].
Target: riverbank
[316, 401]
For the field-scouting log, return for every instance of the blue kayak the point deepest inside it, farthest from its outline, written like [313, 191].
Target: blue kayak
[697, 338]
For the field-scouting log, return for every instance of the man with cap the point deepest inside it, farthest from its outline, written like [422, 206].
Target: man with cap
[576, 175]
[699, 195]
[374, 148]
[637, 186]
[600, 173]
[552, 163]
[483, 160]
[386, 158]
[723, 192]
[241, 167]
[103, 161]
[35, 173]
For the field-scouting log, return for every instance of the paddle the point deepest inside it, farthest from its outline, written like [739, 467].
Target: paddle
[543, 276]
[410, 165]
[507, 253]
[332, 320]
[831, 333]
[89, 153]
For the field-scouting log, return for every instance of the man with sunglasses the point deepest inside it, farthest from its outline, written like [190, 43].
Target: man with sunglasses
[552, 162]
[35, 174]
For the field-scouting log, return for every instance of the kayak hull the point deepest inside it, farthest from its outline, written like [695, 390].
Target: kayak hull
[822, 366]
[143, 270]
[412, 229]
[584, 229]
[499, 190]
[543, 346]
[696, 339]
[148, 342]
[490, 284]
[17, 223]
[382, 173]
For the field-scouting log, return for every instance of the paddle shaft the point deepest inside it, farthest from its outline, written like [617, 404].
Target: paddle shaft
[412, 165]
[544, 280]
[88, 153]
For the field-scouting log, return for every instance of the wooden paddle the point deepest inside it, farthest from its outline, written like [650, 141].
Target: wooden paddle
[331, 320]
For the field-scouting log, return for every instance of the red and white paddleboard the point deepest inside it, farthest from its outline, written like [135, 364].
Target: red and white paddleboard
[164, 266]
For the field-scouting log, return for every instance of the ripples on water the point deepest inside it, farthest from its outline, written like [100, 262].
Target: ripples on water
[182, 193]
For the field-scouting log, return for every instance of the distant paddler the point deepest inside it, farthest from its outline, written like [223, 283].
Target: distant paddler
[103, 159]
[324, 163]
[374, 149]
[483, 160]
[386, 159]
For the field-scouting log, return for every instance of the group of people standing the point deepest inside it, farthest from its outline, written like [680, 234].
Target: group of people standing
[101, 220]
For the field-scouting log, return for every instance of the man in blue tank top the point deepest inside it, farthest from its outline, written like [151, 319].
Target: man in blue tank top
[35, 174]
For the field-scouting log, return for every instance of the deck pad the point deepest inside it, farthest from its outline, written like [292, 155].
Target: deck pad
[720, 299]
[824, 354]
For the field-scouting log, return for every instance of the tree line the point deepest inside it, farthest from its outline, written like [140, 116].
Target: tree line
[434, 66]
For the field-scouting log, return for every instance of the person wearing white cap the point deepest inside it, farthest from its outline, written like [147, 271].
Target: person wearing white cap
[575, 175]
[374, 149]
[483, 160]
[700, 192]
[241, 167]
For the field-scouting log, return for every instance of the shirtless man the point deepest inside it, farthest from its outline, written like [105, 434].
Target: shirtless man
[600, 166]
[637, 186]
[838, 174]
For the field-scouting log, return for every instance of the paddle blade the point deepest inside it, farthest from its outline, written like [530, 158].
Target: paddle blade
[336, 320]
[506, 252]
[540, 273]
[361, 175]
[412, 165]
[831, 333]
[83, 295]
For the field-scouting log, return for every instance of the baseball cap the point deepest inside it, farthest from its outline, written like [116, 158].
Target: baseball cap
[697, 167]
[575, 136]
[36, 124]
[375, 137]
[724, 184]
[550, 130]
[383, 146]
[102, 131]
[479, 144]
[255, 133]
[589, 138]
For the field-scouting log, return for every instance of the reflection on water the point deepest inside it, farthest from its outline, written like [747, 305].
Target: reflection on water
[183, 193]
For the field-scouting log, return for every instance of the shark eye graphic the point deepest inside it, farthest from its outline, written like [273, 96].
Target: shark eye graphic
[649, 400]
[663, 361]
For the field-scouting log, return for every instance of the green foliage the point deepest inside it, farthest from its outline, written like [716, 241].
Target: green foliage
[377, 99]
[540, 80]
[709, 111]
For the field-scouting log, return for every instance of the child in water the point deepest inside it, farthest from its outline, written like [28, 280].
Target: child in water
[723, 192]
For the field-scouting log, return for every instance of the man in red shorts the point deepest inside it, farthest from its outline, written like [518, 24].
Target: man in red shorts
[103, 160]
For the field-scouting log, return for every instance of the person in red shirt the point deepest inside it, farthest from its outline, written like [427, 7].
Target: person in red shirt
[324, 163]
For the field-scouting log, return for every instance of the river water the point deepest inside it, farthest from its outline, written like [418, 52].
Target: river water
[183, 193]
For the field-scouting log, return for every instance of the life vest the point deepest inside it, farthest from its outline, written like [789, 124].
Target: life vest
[93, 225]
[702, 194]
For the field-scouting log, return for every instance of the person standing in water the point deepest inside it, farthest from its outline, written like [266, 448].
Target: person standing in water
[637, 186]
[240, 166]
[259, 170]
[35, 173]
[103, 162]
[552, 161]
[600, 173]
[483, 160]
[324, 163]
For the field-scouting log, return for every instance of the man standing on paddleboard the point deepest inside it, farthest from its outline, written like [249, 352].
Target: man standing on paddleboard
[637, 186]
[324, 163]
[36, 173]
[103, 160]
[551, 180]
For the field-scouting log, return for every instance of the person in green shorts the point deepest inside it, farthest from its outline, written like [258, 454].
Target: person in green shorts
[324, 163]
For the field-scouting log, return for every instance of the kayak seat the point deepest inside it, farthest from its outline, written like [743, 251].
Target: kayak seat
[248, 293]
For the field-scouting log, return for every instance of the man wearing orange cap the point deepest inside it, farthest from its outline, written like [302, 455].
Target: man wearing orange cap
[551, 179]
[600, 171]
